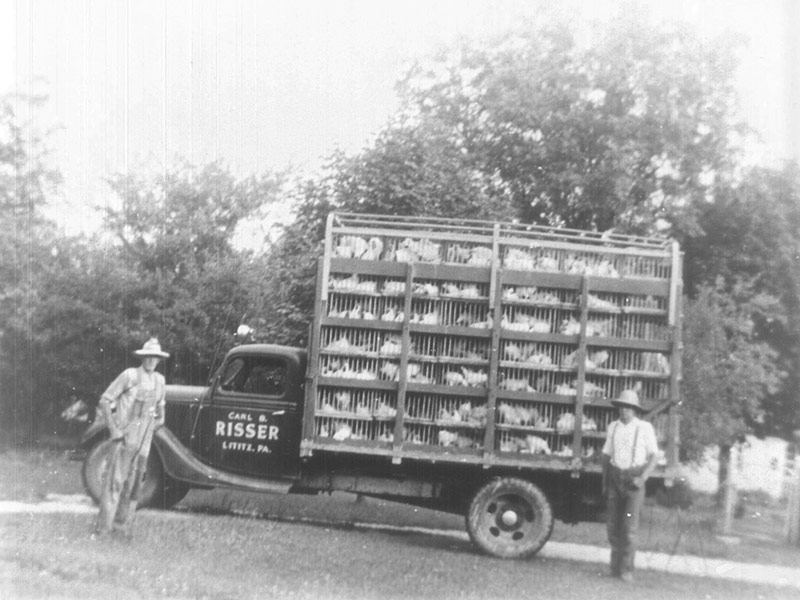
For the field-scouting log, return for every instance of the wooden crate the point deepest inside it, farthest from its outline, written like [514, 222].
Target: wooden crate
[468, 341]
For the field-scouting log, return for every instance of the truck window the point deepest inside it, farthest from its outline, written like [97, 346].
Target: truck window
[255, 375]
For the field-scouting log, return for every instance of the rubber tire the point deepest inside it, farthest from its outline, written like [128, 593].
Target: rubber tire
[522, 538]
[159, 490]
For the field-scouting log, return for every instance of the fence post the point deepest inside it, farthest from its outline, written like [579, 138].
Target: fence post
[793, 508]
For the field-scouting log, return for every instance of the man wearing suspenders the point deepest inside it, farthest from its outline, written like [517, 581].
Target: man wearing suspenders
[137, 395]
[630, 454]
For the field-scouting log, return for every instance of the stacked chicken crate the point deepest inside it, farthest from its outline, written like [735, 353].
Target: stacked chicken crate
[488, 343]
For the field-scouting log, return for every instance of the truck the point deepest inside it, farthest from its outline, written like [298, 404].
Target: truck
[461, 365]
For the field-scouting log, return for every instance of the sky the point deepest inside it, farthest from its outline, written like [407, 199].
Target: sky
[262, 85]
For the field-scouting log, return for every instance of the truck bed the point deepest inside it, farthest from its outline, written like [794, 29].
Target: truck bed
[489, 343]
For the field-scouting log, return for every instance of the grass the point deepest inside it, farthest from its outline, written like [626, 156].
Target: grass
[174, 555]
[757, 535]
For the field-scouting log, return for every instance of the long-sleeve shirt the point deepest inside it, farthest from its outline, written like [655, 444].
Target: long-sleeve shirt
[138, 397]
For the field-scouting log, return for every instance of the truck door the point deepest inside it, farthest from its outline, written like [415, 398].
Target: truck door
[251, 424]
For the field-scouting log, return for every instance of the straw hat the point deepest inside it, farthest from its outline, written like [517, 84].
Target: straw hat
[628, 398]
[152, 348]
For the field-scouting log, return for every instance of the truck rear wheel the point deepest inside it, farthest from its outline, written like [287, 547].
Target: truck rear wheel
[159, 490]
[509, 518]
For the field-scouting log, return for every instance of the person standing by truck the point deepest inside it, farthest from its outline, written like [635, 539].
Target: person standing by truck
[133, 407]
[630, 454]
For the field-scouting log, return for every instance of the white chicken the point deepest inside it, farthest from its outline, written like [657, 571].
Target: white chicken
[385, 411]
[480, 257]
[508, 414]
[519, 260]
[601, 328]
[591, 362]
[511, 445]
[447, 438]
[343, 432]
[457, 254]
[526, 293]
[448, 416]
[546, 263]
[516, 385]
[429, 251]
[597, 359]
[596, 303]
[470, 291]
[512, 352]
[570, 327]
[539, 358]
[431, 318]
[451, 289]
[487, 324]
[340, 345]
[592, 390]
[426, 289]
[389, 370]
[351, 246]
[454, 378]
[506, 323]
[536, 445]
[565, 423]
[539, 326]
[393, 287]
[655, 362]
[374, 249]
[344, 283]
[391, 346]
[342, 400]
[475, 378]
[477, 416]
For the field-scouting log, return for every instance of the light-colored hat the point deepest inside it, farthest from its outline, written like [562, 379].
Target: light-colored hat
[152, 348]
[628, 398]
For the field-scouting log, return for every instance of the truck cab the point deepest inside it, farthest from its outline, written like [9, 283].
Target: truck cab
[250, 422]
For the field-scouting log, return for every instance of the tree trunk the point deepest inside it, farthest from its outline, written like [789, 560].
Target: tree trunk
[726, 498]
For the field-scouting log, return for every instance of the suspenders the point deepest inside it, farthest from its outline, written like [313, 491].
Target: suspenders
[633, 448]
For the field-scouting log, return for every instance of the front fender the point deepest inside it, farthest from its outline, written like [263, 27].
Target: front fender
[96, 430]
[181, 464]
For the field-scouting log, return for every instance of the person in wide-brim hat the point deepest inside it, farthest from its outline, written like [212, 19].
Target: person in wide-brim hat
[133, 407]
[152, 348]
[628, 398]
[630, 454]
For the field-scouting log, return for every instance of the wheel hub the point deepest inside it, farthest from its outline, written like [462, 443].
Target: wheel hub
[510, 518]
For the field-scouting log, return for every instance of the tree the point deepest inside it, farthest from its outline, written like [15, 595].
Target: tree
[192, 285]
[727, 374]
[749, 241]
[25, 256]
[628, 133]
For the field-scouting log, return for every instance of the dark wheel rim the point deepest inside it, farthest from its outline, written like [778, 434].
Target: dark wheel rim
[509, 518]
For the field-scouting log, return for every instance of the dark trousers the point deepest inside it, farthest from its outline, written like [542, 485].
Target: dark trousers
[623, 505]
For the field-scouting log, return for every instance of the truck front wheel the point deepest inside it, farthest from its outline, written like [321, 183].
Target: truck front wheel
[159, 490]
[509, 518]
